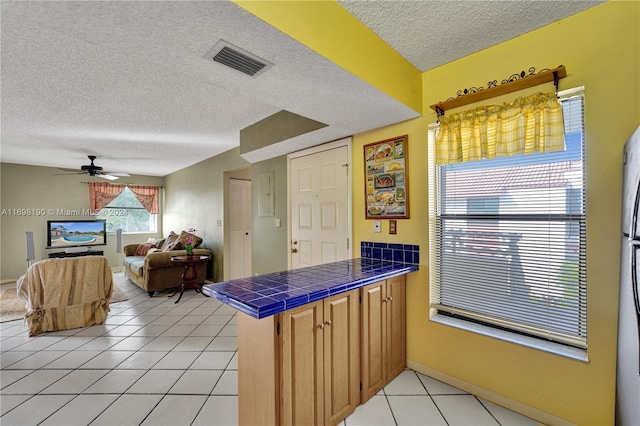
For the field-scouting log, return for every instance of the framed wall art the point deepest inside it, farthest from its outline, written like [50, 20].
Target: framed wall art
[387, 179]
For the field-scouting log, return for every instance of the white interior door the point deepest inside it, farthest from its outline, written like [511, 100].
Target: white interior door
[320, 207]
[240, 228]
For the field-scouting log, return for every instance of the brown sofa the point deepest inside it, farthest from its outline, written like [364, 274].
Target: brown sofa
[154, 270]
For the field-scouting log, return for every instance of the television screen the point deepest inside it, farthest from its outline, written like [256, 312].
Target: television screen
[75, 233]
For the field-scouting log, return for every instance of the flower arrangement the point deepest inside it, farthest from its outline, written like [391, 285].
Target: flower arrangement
[189, 241]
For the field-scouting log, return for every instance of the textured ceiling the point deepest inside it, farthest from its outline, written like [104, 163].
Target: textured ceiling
[430, 33]
[127, 81]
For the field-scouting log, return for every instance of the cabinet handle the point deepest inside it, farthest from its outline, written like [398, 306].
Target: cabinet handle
[327, 323]
[390, 298]
[320, 326]
[385, 300]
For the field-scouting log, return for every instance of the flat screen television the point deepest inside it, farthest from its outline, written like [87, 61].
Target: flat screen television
[76, 233]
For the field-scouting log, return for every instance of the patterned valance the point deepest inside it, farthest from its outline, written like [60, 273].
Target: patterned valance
[533, 124]
[102, 193]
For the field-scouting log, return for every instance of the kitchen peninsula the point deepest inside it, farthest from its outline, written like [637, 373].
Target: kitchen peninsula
[315, 342]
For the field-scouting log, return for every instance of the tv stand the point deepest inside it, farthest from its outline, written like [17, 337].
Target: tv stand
[76, 254]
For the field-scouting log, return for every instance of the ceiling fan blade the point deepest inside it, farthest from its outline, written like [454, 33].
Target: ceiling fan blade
[69, 173]
[108, 177]
[119, 174]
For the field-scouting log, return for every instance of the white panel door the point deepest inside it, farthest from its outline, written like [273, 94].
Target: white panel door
[240, 228]
[319, 193]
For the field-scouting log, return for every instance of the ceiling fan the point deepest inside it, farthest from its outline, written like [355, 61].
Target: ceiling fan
[93, 170]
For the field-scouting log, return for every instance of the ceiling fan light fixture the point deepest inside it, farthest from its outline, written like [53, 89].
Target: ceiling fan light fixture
[238, 59]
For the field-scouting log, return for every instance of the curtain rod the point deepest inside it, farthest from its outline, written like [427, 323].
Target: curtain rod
[507, 87]
[123, 184]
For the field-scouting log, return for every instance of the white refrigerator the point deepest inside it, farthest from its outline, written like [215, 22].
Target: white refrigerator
[628, 367]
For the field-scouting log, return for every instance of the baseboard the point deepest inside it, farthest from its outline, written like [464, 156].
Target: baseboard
[538, 415]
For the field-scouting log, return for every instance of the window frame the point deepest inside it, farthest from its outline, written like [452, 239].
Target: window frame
[494, 330]
[114, 211]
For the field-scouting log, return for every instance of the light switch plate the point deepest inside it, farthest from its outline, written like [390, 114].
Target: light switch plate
[376, 226]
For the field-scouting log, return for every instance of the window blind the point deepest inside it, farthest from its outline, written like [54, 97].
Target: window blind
[508, 238]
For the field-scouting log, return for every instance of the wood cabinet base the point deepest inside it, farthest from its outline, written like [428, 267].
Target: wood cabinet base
[313, 365]
[258, 371]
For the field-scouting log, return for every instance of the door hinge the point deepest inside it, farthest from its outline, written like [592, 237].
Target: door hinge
[278, 328]
[347, 244]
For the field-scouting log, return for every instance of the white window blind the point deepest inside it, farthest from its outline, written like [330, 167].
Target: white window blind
[508, 238]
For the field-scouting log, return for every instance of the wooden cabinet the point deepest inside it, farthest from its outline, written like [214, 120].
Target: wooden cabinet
[383, 334]
[313, 364]
[320, 361]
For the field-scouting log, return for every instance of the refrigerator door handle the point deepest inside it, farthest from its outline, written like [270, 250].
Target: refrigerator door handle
[634, 277]
[634, 217]
[635, 245]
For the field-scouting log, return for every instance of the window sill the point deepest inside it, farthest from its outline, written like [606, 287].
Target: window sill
[133, 232]
[531, 342]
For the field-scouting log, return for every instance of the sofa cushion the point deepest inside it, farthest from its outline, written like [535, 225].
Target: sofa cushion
[137, 267]
[135, 264]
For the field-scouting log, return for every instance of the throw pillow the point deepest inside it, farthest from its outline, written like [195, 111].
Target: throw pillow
[175, 245]
[196, 241]
[159, 243]
[142, 249]
[169, 241]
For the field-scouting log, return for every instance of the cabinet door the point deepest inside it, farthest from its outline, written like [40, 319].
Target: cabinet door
[374, 335]
[396, 322]
[302, 354]
[341, 356]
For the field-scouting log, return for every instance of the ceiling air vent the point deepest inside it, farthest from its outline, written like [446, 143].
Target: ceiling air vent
[238, 59]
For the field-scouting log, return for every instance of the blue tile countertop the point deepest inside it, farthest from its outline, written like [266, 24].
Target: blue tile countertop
[269, 294]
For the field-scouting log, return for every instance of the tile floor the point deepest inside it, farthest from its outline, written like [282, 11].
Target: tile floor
[157, 363]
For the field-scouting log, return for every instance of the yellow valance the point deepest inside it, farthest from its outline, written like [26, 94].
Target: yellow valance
[533, 124]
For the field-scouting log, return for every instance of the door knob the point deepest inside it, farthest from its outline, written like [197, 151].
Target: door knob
[294, 250]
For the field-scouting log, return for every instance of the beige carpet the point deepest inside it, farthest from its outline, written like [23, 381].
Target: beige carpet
[12, 308]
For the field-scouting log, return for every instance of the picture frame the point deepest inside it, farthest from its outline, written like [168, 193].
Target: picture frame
[386, 187]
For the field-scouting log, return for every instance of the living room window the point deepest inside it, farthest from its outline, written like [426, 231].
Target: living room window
[130, 209]
[508, 239]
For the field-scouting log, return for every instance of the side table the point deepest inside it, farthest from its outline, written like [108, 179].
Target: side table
[189, 275]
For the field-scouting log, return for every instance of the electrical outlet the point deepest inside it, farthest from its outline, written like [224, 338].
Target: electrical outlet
[376, 226]
[219, 222]
[278, 223]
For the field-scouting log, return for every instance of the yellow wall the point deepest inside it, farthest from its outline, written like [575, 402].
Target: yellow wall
[324, 26]
[600, 48]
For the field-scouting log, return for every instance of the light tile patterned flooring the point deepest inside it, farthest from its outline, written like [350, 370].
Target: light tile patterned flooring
[155, 362]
